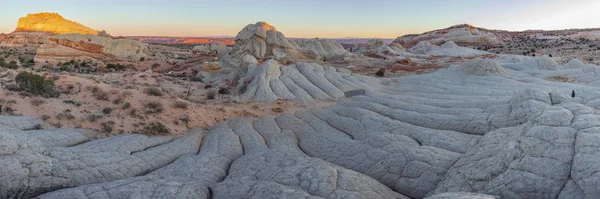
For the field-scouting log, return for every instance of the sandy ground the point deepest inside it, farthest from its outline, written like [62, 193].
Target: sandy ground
[128, 88]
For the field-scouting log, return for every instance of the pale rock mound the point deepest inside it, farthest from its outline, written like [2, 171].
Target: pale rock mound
[52, 23]
[447, 49]
[423, 47]
[301, 81]
[262, 41]
[461, 34]
[574, 63]
[547, 63]
[449, 44]
[377, 49]
[323, 49]
[72, 46]
[481, 67]
[397, 47]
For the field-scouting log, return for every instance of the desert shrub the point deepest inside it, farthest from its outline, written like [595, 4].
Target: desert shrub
[67, 116]
[11, 65]
[76, 103]
[119, 100]
[94, 117]
[45, 117]
[36, 84]
[143, 59]
[155, 128]
[99, 94]
[224, 91]
[116, 67]
[211, 94]
[153, 108]
[9, 110]
[107, 127]
[180, 104]
[153, 91]
[127, 105]
[13, 87]
[107, 110]
[196, 79]
[380, 73]
[37, 102]
[127, 94]
[133, 113]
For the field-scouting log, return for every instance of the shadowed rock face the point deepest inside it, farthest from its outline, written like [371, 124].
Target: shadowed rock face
[439, 135]
[52, 23]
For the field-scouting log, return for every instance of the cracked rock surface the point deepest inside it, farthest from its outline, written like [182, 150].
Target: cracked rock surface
[448, 134]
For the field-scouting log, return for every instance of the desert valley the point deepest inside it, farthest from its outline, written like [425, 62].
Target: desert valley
[462, 112]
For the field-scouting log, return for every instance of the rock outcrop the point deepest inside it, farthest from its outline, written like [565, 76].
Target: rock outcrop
[461, 34]
[447, 49]
[52, 23]
[301, 81]
[323, 49]
[71, 46]
[263, 41]
[377, 49]
[481, 67]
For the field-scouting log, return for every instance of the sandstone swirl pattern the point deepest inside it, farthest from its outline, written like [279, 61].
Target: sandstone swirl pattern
[477, 130]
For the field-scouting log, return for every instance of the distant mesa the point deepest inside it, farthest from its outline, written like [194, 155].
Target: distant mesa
[52, 23]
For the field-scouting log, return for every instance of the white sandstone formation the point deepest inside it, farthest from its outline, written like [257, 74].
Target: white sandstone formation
[71, 46]
[323, 49]
[423, 47]
[574, 63]
[462, 34]
[547, 63]
[481, 67]
[447, 49]
[263, 41]
[481, 134]
[377, 49]
[301, 81]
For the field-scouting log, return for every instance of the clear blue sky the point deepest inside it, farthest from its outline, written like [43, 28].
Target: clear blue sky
[307, 18]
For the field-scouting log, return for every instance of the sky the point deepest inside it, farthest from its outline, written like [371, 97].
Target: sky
[307, 18]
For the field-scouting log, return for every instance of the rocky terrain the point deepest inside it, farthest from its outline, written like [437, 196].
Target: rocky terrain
[92, 116]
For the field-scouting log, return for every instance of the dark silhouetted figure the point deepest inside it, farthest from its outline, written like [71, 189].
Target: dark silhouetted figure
[573, 94]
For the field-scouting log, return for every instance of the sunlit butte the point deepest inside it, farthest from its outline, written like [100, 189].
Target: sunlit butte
[309, 18]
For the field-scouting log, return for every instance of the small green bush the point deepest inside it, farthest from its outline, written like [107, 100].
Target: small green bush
[127, 105]
[94, 117]
[107, 127]
[153, 108]
[181, 105]
[155, 128]
[37, 102]
[107, 110]
[153, 91]
[100, 94]
[36, 85]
